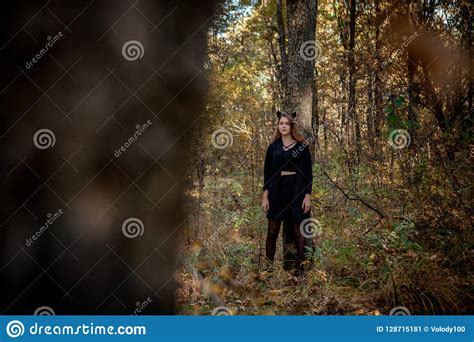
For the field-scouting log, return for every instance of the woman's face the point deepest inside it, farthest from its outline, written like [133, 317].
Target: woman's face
[284, 126]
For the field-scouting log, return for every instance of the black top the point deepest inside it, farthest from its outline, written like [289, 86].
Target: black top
[290, 159]
[298, 159]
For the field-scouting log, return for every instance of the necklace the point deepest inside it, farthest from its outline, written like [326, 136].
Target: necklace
[286, 147]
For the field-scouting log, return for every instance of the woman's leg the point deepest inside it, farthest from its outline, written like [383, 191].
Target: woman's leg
[272, 236]
[300, 246]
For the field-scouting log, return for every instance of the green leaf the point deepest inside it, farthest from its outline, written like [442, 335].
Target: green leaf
[394, 121]
[399, 101]
[411, 124]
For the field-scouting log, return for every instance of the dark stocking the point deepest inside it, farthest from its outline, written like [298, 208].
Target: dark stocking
[272, 236]
[300, 244]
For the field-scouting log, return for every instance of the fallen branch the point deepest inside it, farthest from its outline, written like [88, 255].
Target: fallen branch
[368, 205]
[216, 301]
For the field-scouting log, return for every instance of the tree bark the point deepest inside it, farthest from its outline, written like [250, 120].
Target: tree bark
[301, 16]
[378, 116]
[283, 71]
[352, 78]
[300, 88]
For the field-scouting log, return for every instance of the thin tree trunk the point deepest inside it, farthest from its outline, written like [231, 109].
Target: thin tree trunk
[352, 78]
[378, 117]
[370, 96]
[282, 44]
[315, 109]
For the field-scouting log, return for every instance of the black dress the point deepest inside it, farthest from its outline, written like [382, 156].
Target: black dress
[286, 193]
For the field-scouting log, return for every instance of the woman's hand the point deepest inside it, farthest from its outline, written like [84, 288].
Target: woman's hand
[306, 203]
[265, 204]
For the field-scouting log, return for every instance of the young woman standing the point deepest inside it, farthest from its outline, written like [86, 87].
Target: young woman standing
[287, 185]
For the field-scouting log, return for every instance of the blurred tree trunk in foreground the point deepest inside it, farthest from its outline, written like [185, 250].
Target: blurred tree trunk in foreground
[99, 102]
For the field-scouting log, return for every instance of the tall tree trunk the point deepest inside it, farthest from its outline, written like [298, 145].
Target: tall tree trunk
[352, 78]
[413, 96]
[378, 116]
[283, 71]
[315, 113]
[301, 16]
[466, 27]
[412, 72]
[315, 109]
[300, 87]
[342, 27]
[370, 92]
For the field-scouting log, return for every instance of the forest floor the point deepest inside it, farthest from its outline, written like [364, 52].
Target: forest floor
[361, 264]
[227, 252]
[245, 290]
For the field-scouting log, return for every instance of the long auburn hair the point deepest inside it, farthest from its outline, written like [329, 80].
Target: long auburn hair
[293, 130]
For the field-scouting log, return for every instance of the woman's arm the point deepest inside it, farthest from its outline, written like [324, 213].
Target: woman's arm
[307, 170]
[267, 169]
[308, 179]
